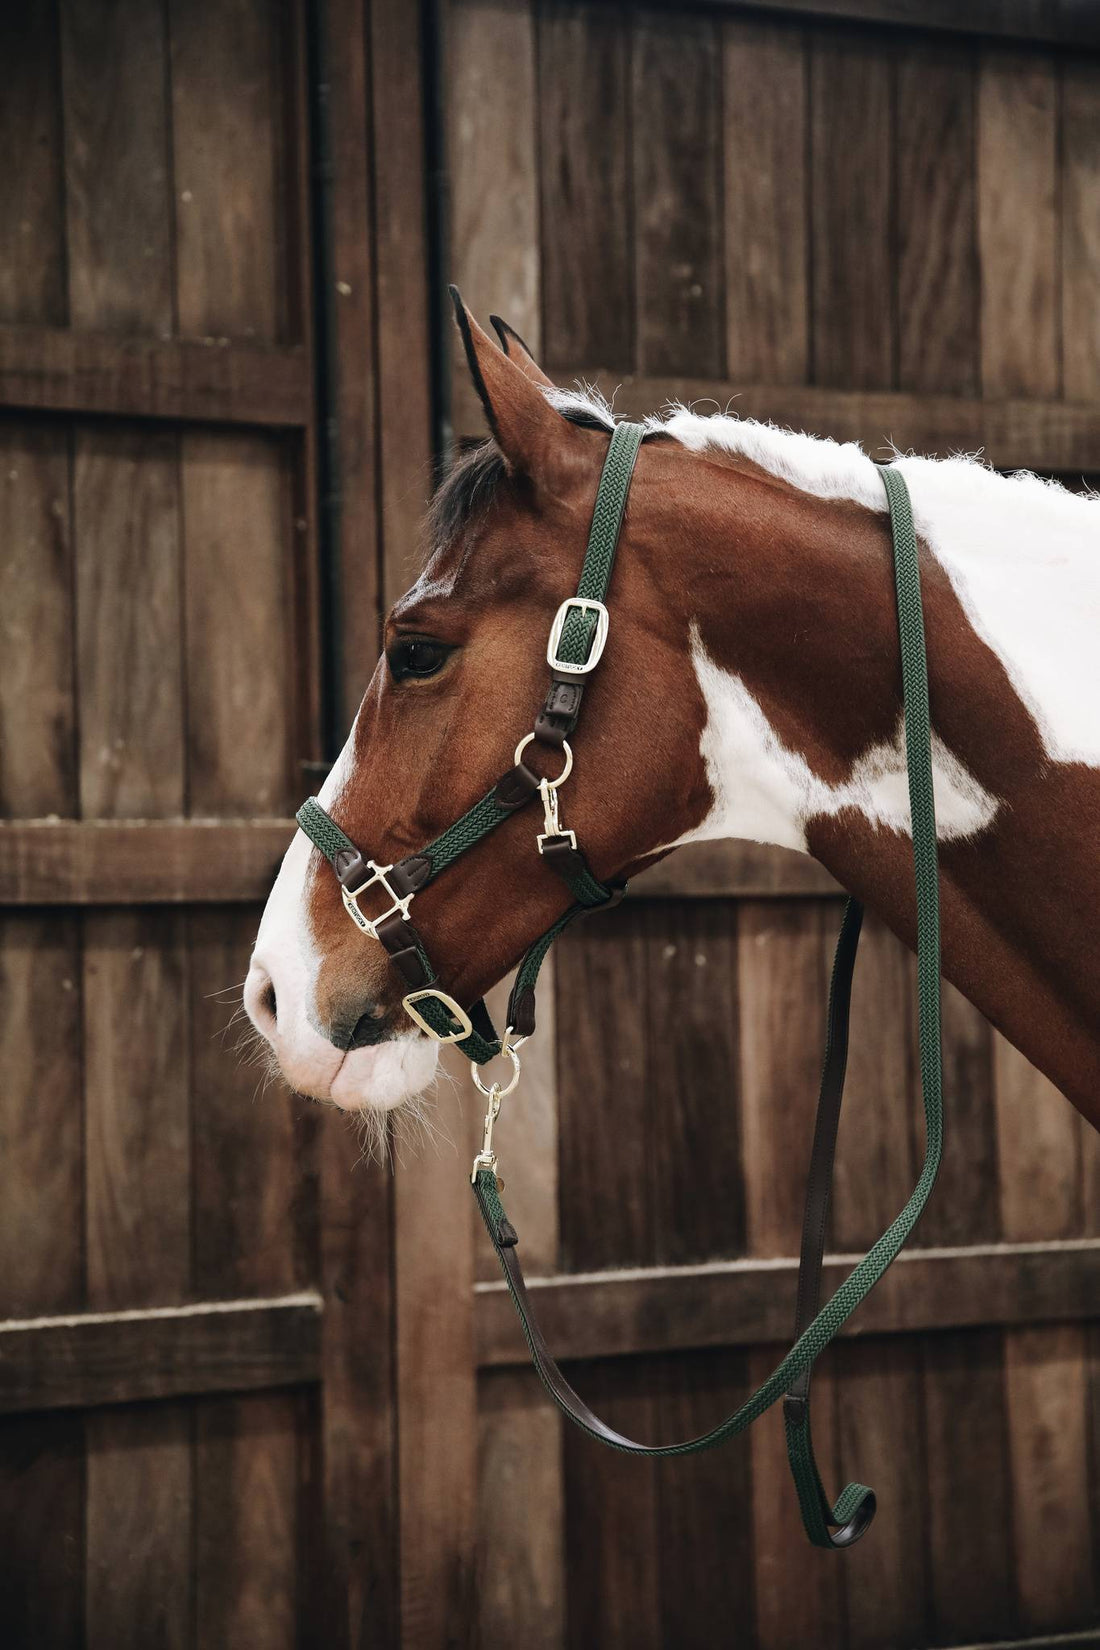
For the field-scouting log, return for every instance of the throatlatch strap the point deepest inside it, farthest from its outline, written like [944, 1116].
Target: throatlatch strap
[854, 1508]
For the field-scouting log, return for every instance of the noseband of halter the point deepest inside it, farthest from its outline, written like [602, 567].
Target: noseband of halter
[577, 639]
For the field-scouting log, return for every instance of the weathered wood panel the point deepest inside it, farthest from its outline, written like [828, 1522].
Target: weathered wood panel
[32, 273]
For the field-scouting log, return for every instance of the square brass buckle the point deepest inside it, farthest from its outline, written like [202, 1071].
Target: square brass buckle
[465, 1027]
[585, 605]
[350, 897]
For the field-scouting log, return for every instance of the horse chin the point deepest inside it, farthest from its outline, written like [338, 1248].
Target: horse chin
[384, 1075]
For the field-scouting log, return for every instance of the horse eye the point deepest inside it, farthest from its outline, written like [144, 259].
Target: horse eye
[415, 656]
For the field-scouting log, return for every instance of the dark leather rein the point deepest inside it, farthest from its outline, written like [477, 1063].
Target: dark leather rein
[576, 644]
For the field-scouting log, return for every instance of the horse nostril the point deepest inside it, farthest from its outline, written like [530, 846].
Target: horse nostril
[268, 1002]
[366, 1030]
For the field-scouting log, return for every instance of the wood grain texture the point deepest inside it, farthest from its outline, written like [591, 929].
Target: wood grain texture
[766, 203]
[521, 1582]
[1080, 251]
[1060, 21]
[32, 218]
[495, 250]
[1047, 1402]
[1017, 223]
[937, 255]
[236, 576]
[583, 56]
[851, 211]
[139, 1532]
[42, 1531]
[225, 134]
[782, 1007]
[129, 642]
[254, 1144]
[606, 1149]
[966, 1207]
[246, 1502]
[136, 1099]
[971, 1591]
[37, 717]
[677, 176]
[117, 148]
[1037, 1151]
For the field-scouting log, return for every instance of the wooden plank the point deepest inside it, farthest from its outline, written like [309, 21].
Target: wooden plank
[117, 188]
[747, 1302]
[726, 870]
[138, 1587]
[43, 862]
[966, 1207]
[1047, 1398]
[611, 1509]
[521, 1583]
[225, 121]
[782, 1011]
[676, 164]
[246, 1483]
[971, 1593]
[1037, 1151]
[1018, 223]
[493, 170]
[767, 231]
[42, 1531]
[32, 216]
[1080, 183]
[37, 733]
[1011, 434]
[587, 273]
[161, 1352]
[605, 1151]
[938, 333]
[852, 287]
[199, 381]
[698, 1204]
[236, 577]
[129, 643]
[254, 1144]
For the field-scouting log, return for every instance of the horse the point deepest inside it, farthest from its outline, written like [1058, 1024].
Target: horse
[750, 688]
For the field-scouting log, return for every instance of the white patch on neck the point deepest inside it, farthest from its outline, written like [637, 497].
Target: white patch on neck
[764, 792]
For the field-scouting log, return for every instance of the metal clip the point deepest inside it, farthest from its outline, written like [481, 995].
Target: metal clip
[550, 820]
[487, 1157]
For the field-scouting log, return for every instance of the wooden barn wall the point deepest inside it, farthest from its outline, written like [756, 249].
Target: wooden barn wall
[878, 234]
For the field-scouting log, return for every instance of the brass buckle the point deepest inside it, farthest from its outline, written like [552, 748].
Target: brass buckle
[465, 1026]
[603, 619]
[350, 897]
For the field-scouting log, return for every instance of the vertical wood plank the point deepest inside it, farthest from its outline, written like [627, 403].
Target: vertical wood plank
[37, 719]
[852, 141]
[938, 331]
[677, 163]
[117, 198]
[494, 179]
[782, 1015]
[521, 1583]
[1037, 1149]
[1080, 159]
[138, 1588]
[691, 1077]
[129, 649]
[1018, 227]
[972, 1592]
[583, 102]
[966, 1207]
[235, 577]
[611, 1522]
[225, 136]
[766, 203]
[606, 1152]
[32, 215]
[246, 1481]
[42, 1531]
[1046, 1385]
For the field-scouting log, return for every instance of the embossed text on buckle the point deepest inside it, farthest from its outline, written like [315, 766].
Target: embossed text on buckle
[582, 604]
[458, 1014]
[350, 897]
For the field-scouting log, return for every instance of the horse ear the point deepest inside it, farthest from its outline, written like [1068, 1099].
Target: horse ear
[527, 428]
[516, 350]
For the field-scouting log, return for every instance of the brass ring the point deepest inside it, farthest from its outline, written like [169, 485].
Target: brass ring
[500, 1092]
[565, 772]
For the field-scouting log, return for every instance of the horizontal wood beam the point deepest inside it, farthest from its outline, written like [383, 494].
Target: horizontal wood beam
[51, 369]
[139, 862]
[751, 1302]
[729, 870]
[1034, 435]
[166, 1352]
[1058, 22]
